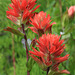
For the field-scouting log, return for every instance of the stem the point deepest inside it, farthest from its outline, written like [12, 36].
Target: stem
[60, 5]
[13, 53]
[14, 62]
[48, 70]
[28, 73]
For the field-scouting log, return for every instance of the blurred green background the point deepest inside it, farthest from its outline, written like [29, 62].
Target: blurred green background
[57, 10]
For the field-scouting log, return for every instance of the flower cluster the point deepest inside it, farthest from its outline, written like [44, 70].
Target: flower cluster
[21, 10]
[41, 23]
[50, 49]
[71, 11]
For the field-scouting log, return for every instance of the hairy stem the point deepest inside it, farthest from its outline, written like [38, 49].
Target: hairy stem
[28, 73]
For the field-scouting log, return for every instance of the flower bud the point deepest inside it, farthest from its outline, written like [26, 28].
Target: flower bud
[71, 11]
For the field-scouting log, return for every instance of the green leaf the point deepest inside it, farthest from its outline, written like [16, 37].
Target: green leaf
[65, 19]
[50, 5]
[30, 64]
[51, 72]
[70, 29]
[17, 32]
[65, 36]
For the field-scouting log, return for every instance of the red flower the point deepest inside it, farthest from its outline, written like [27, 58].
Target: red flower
[41, 23]
[21, 10]
[50, 49]
[71, 11]
[74, 8]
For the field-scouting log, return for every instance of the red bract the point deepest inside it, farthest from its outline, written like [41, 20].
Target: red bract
[64, 71]
[50, 49]
[21, 10]
[41, 23]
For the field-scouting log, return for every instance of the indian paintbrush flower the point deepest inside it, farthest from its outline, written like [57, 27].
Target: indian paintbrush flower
[41, 23]
[50, 49]
[71, 11]
[21, 10]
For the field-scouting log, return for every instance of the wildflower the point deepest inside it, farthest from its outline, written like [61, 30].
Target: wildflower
[21, 10]
[50, 49]
[71, 11]
[41, 23]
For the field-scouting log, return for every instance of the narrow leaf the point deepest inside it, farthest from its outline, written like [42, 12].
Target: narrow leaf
[17, 32]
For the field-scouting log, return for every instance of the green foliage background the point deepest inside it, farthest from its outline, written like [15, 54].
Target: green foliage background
[66, 26]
